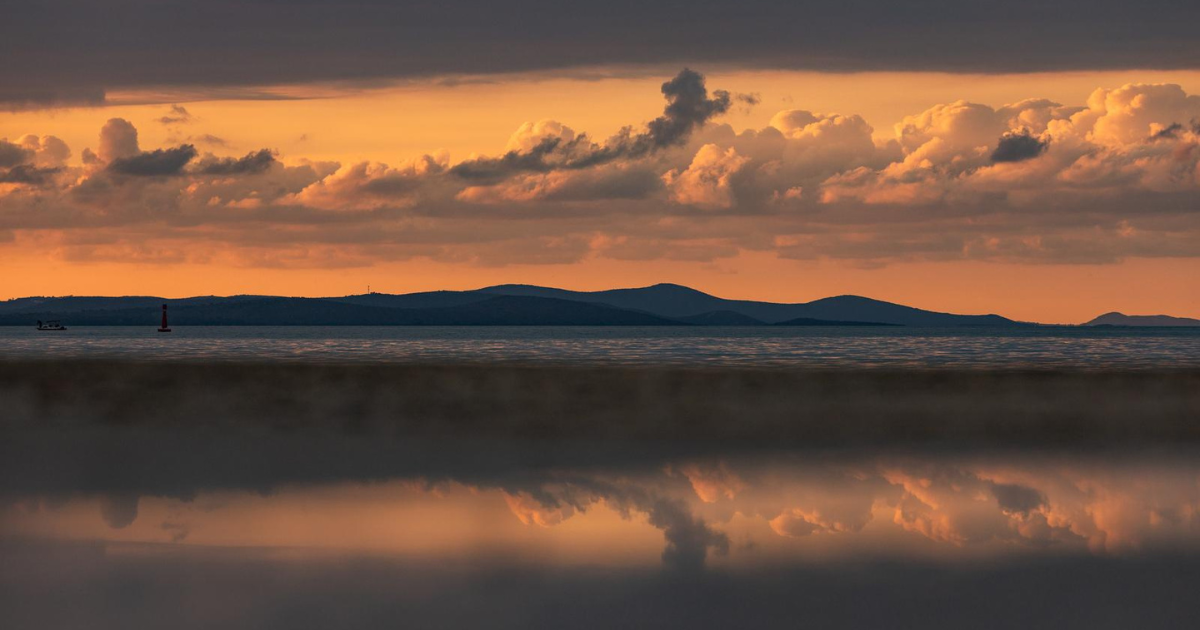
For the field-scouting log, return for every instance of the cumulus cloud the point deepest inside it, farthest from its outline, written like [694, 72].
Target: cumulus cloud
[1030, 181]
[31, 160]
[548, 145]
[950, 154]
[688, 537]
[368, 185]
[530, 135]
[1126, 114]
[708, 180]
[118, 139]
[48, 151]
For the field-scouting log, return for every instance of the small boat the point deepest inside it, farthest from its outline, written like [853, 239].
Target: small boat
[53, 324]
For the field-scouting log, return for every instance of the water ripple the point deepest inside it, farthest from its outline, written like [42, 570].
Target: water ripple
[1047, 347]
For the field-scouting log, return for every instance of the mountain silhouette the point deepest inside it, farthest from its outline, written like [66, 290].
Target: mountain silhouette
[1121, 319]
[503, 305]
[721, 318]
[675, 301]
[808, 321]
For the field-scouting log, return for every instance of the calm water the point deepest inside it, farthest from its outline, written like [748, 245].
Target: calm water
[318, 502]
[778, 347]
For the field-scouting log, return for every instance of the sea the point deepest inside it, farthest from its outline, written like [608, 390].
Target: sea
[1049, 347]
[423, 477]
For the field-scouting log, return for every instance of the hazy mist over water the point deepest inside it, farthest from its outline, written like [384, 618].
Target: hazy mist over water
[841, 347]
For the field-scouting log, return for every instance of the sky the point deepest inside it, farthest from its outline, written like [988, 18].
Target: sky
[1042, 162]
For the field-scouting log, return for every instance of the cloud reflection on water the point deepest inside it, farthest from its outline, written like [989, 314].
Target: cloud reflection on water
[732, 511]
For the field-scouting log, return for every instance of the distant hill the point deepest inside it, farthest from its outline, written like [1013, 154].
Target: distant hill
[73, 304]
[808, 321]
[1121, 319]
[675, 301]
[505, 305]
[721, 318]
[490, 311]
[428, 299]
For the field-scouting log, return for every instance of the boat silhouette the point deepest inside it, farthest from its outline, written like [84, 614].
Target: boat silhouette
[53, 324]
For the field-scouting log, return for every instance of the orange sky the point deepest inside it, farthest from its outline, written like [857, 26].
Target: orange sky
[396, 124]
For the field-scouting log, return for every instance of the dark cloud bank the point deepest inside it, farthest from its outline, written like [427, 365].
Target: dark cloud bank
[165, 162]
[71, 52]
[158, 162]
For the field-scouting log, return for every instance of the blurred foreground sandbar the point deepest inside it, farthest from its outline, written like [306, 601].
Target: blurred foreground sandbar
[769, 406]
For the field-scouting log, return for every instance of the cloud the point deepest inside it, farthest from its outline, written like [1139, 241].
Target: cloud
[194, 46]
[118, 139]
[254, 162]
[156, 163]
[712, 483]
[1017, 498]
[31, 160]
[119, 511]
[12, 154]
[529, 136]
[708, 180]
[798, 522]
[1170, 132]
[207, 138]
[689, 539]
[27, 95]
[1124, 115]
[614, 181]
[26, 174]
[688, 107]
[368, 185]
[548, 145]
[1017, 147]
[177, 115]
[48, 151]
[1033, 181]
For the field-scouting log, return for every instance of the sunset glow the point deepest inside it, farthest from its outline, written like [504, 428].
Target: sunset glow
[800, 186]
[633, 314]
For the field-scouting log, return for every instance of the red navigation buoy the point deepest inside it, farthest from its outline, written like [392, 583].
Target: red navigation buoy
[164, 328]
